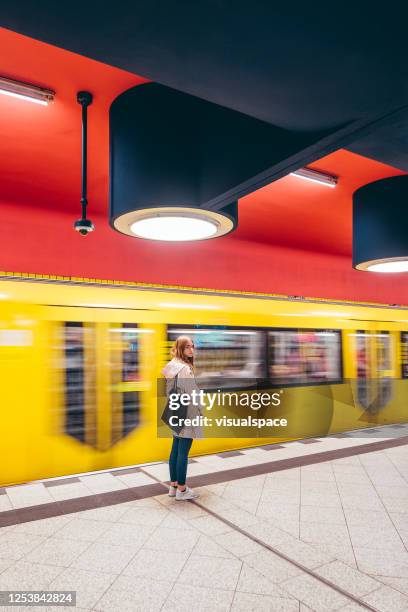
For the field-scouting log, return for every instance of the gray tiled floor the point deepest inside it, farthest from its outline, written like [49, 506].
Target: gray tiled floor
[388, 473]
[342, 520]
[338, 508]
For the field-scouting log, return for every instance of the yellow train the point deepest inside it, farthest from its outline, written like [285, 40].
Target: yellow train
[80, 359]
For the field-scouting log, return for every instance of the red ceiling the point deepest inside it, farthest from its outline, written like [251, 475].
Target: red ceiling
[40, 170]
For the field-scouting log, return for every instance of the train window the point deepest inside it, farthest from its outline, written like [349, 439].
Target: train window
[363, 354]
[79, 377]
[363, 364]
[373, 354]
[223, 354]
[124, 341]
[308, 356]
[374, 369]
[383, 356]
[404, 354]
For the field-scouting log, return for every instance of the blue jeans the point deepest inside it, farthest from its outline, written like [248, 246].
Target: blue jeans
[179, 459]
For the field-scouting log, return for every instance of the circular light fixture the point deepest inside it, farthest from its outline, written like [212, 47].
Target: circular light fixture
[157, 190]
[392, 265]
[173, 224]
[380, 226]
[173, 228]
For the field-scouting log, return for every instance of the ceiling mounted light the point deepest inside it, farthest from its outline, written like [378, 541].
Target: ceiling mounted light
[178, 163]
[25, 91]
[176, 224]
[316, 177]
[173, 226]
[380, 226]
[396, 265]
[158, 188]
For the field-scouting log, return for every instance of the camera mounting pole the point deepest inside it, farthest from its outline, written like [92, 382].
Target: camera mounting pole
[84, 226]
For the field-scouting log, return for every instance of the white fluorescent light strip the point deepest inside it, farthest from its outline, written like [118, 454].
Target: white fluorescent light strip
[24, 91]
[316, 177]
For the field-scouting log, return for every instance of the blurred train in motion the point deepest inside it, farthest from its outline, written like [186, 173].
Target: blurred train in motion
[79, 363]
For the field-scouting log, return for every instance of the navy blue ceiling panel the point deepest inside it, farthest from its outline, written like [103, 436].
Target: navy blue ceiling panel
[387, 144]
[306, 68]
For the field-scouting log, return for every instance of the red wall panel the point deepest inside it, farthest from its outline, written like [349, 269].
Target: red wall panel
[40, 241]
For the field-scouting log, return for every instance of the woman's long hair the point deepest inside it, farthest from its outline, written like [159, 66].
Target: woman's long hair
[177, 350]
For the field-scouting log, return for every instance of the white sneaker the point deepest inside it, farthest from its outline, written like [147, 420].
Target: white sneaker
[172, 491]
[186, 494]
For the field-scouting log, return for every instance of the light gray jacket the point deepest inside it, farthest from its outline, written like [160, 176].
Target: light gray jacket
[186, 382]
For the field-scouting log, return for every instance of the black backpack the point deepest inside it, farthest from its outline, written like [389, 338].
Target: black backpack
[180, 411]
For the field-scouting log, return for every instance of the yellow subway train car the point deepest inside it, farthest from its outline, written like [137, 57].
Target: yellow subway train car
[80, 361]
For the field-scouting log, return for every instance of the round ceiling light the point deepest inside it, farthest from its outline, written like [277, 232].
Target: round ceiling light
[157, 189]
[380, 226]
[174, 224]
[173, 228]
[397, 265]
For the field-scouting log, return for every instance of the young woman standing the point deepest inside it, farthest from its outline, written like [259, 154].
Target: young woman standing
[182, 366]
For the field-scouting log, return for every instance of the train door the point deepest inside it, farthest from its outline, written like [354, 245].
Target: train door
[99, 380]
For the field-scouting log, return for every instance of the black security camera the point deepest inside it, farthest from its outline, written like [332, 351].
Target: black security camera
[84, 226]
